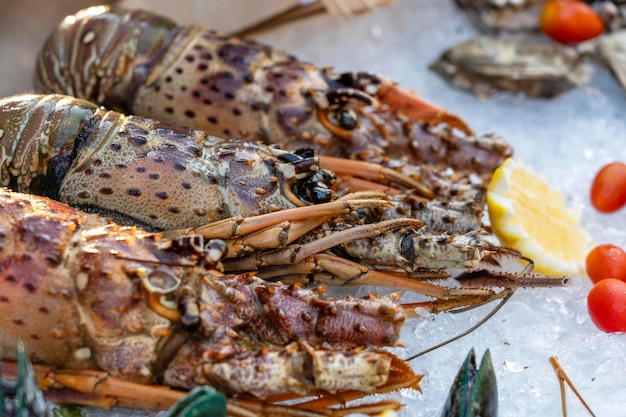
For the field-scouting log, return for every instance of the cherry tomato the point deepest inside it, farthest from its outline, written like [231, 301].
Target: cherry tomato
[606, 304]
[606, 261]
[608, 191]
[570, 21]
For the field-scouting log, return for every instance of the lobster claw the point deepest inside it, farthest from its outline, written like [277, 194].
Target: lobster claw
[474, 391]
[201, 401]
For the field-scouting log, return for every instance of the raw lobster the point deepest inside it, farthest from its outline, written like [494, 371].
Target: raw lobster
[228, 86]
[166, 177]
[147, 309]
[160, 175]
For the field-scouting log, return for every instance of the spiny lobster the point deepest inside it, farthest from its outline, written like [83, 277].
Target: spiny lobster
[174, 319]
[71, 150]
[146, 64]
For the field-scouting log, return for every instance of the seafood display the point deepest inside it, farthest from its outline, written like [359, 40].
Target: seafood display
[202, 277]
[173, 319]
[105, 162]
[101, 168]
[230, 86]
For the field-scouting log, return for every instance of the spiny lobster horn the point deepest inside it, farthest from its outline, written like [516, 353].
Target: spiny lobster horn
[399, 100]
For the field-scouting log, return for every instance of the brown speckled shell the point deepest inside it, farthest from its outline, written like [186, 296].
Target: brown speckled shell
[38, 303]
[229, 86]
[66, 292]
[137, 170]
[72, 289]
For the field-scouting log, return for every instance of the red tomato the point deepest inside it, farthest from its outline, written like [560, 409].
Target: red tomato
[606, 304]
[608, 191]
[606, 261]
[570, 21]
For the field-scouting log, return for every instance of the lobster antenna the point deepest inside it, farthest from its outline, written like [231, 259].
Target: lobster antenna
[156, 262]
[305, 9]
[562, 376]
[468, 331]
[216, 266]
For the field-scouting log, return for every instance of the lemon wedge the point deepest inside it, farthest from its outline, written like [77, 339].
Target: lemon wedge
[530, 216]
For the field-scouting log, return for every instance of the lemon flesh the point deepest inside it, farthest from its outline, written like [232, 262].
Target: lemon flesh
[529, 216]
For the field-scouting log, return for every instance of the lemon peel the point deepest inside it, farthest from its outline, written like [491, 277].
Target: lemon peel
[530, 216]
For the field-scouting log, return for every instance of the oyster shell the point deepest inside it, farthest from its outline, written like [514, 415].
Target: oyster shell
[486, 65]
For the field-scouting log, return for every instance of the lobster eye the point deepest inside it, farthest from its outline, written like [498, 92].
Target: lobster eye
[320, 195]
[347, 119]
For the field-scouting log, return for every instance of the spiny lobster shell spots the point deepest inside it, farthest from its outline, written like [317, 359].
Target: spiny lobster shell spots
[228, 86]
[31, 293]
[103, 296]
[141, 171]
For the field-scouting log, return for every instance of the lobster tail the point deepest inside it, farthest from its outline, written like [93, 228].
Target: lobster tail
[118, 46]
[37, 154]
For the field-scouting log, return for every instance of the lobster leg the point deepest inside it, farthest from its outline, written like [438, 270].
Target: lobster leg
[455, 304]
[381, 244]
[255, 408]
[296, 253]
[239, 226]
[376, 173]
[97, 388]
[336, 271]
[475, 256]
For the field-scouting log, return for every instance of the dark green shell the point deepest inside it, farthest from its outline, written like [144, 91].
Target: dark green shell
[474, 392]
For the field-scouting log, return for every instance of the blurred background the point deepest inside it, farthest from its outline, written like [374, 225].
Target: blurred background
[567, 138]
[24, 26]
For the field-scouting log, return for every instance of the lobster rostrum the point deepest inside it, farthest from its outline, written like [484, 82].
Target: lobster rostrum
[229, 86]
[174, 319]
